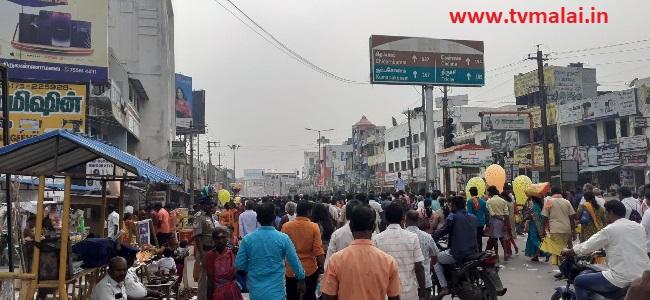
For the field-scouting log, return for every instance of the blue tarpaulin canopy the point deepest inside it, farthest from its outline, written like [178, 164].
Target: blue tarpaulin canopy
[55, 153]
[52, 186]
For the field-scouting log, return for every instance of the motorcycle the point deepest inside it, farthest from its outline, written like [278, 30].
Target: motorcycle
[579, 265]
[476, 278]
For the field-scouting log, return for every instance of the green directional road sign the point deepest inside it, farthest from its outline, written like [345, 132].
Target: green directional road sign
[426, 61]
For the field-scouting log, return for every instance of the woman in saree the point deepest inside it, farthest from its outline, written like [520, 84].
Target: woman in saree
[220, 267]
[535, 231]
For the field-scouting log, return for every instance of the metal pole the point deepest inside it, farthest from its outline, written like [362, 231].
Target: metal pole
[320, 167]
[542, 102]
[445, 116]
[408, 115]
[430, 140]
[5, 138]
[191, 170]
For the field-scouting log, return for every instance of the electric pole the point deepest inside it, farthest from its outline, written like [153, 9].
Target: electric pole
[542, 100]
[410, 144]
[234, 148]
[191, 170]
[446, 141]
[219, 159]
[210, 145]
[322, 161]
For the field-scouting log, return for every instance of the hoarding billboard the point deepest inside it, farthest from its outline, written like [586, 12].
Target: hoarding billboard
[62, 40]
[608, 106]
[179, 152]
[253, 174]
[183, 102]
[198, 115]
[504, 122]
[37, 108]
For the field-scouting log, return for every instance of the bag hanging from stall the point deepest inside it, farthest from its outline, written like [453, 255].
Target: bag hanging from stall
[538, 190]
[95, 252]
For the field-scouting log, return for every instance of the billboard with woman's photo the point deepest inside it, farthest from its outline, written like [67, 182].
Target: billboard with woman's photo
[183, 101]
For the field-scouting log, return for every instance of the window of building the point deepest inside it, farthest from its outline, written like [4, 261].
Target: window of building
[402, 142]
[397, 166]
[415, 139]
[416, 163]
[610, 131]
[391, 168]
[395, 144]
[625, 132]
[403, 165]
[422, 137]
[423, 161]
[408, 140]
[410, 164]
[587, 135]
[638, 131]
[390, 145]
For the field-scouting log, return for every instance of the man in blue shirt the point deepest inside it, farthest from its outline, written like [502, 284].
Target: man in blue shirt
[478, 207]
[461, 228]
[262, 253]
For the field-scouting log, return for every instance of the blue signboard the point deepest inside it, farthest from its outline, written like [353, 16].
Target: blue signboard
[425, 61]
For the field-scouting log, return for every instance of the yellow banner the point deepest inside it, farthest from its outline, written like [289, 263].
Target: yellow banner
[37, 108]
[529, 83]
[520, 156]
[551, 115]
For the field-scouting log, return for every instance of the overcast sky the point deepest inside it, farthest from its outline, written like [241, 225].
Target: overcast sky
[261, 99]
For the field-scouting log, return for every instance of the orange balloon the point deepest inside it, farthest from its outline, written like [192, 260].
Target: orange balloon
[495, 175]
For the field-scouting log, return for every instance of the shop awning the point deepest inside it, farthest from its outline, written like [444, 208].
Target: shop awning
[56, 152]
[52, 186]
[597, 169]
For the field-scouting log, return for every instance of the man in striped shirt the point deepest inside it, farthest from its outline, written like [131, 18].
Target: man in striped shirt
[404, 246]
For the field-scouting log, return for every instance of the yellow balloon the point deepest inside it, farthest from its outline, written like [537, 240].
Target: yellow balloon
[477, 182]
[519, 186]
[495, 175]
[224, 196]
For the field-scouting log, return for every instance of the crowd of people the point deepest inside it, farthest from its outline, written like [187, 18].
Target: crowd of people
[371, 246]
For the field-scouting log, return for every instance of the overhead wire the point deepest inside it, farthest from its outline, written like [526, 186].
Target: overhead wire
[603, 47]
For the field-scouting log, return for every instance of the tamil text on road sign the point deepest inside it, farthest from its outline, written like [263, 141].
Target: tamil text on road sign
[426, 61]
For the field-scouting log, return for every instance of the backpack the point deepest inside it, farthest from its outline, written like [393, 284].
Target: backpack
[634, 215]
[585, 217]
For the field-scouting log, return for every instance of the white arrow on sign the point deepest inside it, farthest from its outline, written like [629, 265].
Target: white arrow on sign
[468, 60]
[414, 58]
[415, 74]
[469, 76]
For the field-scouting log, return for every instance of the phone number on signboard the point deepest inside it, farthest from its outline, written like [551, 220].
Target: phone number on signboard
[40, 86]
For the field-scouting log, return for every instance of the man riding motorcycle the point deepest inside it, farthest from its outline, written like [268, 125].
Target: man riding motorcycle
[461, 227]
[625, 244]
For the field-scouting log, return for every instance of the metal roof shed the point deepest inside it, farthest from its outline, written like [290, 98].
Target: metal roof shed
[54, 154]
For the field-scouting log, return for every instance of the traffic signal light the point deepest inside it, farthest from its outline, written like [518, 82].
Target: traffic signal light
[449, 133]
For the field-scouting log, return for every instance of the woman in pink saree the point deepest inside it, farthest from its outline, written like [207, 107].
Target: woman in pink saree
[220, 267]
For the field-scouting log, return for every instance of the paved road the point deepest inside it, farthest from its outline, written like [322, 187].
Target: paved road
[525, 280]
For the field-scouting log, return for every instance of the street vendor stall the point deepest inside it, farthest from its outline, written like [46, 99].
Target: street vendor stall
[54, 155]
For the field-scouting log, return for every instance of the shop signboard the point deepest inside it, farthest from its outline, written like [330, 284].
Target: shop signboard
[253, 174]
[633, 143]
[520, 154]
[551, 114]
[62, 40]
[641, 122]
[627, 177]
[183, 102]
[578, 154]
[506, 141]
[99, 167]
[465, 158]
[179, 152]
[528, 83]
[637, 158]
[608, 106]
[605, 155]
[157, 196]
[37, 108]
[504, 122]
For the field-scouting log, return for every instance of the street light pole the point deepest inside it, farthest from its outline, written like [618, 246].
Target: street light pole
[321, 161]
[234, 148]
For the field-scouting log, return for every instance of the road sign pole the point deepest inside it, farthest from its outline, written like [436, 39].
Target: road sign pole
[430, 138]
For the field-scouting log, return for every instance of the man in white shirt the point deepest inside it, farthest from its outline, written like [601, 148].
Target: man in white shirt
[399, 183]
[342, 237]
[135, 290]
[111, 287]
[624, 242]
[625, 194]
[645, 221]
[112, 222]
[128, 209]
[427, 245]
[404, 246]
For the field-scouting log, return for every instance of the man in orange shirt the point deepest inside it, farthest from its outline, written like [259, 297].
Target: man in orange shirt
[305, 236]
[361, 271]
[162, 231]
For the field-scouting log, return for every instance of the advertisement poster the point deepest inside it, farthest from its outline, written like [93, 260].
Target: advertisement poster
[608, 106]
[183, 101]
[551, 115]
[505, 122]
[62, 40]
[37, 108]
[627, 177]
[178, 151]
[633, 143]
[198, 115]
[98, 167]
[145, 232]
[506, 141]
[520, 156]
